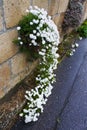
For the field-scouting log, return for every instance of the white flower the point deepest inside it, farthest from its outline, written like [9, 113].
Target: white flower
[18, 28]
[40, 16]
[57, 55]
[27, 11]
[43, 42]
[31, 23]
[44, 50]
[49, 17]
[42, 21]
[38, 34]
[36, 7]
[34, 43]
[73, 50]
[30, 44]
[40, 25]
[19, 38]
[38, 28]
[73, 45]
[33, 37]
[35, 118]
[41, 53]
[25, 111]
[30, 8]
[71, 54]
[28, 118]
[76, 44]
[35, 21]
[21, 114]
[80, 38]
[21, 43]
[34, 31]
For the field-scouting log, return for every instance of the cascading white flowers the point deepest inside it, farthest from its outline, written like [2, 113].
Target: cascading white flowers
[49, 35]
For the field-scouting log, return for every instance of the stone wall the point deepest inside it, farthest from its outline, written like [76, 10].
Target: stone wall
[85, 10]
[75, 14]
[13, 65]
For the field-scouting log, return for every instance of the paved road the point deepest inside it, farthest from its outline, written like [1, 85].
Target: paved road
[66, 108]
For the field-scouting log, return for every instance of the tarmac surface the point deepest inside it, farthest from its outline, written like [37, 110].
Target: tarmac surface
[66, 108]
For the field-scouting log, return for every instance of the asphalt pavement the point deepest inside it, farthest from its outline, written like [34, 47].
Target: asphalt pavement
[66, 108]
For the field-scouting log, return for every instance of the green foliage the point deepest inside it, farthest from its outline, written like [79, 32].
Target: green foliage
[82, 30]
[26, 27]
[66, 45]
[24, 32]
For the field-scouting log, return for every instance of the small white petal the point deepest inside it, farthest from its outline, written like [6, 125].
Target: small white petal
[73, 50]
[21, 43]
[21, 114]
[19, 38]
[27, 11]
[73, 45]
[80, 38]
[34, 31]
[31, 23]
[18, 28]
[76, 44]
[38, 34]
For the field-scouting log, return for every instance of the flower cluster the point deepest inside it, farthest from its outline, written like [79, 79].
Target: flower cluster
[73, 48]
[38, 30]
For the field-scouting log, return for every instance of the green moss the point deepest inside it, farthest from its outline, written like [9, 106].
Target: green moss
[65, 47]
[82, 30]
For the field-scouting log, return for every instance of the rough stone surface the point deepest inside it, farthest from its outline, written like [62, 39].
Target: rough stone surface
[23, 73]
[13, 102]
[14, 9]
[41, 3]
[53, 7]
[62, 5]
[7, 48]
[1, 92]
[85, 11]
[58, 19]
[1, 20]
[73, 15]
[10, 108]
[18, 62]
[5, 73]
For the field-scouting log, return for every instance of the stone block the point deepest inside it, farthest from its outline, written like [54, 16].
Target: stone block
[12, 82]
[7, 48]
[5, 74]
[1, 20]
[14, 9]
[85, 11]
[53, 7]
[31, 66]
[58, 19]
[26, 69]
[41, 3]
[1, 93]
[19, 63]
[62, 5]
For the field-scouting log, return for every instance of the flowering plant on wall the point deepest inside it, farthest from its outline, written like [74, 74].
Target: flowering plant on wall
[39, 38]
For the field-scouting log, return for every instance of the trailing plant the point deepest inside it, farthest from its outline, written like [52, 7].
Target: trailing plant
[82, 30]
[39, 38]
